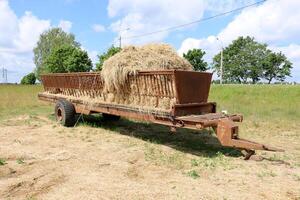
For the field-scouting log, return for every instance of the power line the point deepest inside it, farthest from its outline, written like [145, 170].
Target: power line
[4, 75]
[194, 22]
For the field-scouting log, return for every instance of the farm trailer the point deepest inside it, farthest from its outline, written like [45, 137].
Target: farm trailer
[77, 93]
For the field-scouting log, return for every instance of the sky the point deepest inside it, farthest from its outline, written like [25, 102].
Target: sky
[97, 25]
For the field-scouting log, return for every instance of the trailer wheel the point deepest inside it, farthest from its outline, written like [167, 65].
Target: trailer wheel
[65, 113]
[110, 117]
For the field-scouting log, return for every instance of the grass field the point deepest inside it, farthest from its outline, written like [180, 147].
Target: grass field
[256, 102]
[21, 99]
[37, 156]
[265, 102]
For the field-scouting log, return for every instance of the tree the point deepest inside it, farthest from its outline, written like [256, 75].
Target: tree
[242, 60]
[49, 40]
[79, 61]
[195, 57]
[68, 59]
[276, 67]
[103, 57]
[29, 79]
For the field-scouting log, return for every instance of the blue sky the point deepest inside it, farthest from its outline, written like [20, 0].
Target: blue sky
[96, 25]
[82, 14]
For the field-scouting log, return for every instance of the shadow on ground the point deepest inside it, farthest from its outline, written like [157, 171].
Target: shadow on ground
[200, 143]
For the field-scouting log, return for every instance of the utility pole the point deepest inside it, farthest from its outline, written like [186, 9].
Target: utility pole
[221, 73]
[4, 75]
[120, 36]
[120, 33]
[221, 62]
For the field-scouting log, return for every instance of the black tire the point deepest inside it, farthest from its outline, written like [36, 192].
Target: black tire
[65, 113]
[110, 117]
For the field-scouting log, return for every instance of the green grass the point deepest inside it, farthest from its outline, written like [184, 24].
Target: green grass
[20, 161]
[193, 174]
[262, 102]
[21, 99]
[154, 154]
[2, 161]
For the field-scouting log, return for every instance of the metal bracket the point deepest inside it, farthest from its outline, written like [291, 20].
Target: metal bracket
[227, 133]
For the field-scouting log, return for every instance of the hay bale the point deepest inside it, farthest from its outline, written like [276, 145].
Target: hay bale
[116, 69]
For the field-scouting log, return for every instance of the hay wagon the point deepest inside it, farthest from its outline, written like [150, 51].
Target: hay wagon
[185, 92]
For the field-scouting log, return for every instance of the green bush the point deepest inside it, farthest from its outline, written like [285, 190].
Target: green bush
[68, 59]
[29, 79]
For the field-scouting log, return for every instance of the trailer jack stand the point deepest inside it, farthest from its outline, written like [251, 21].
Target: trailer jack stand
[227, 133]
[247, 153]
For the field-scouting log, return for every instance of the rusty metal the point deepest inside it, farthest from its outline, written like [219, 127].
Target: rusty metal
[209, 120]
[168, 83]
[191, 110]
[192, 87]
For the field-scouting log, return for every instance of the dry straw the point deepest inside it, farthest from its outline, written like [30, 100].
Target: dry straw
[116, 69]
[129, 61]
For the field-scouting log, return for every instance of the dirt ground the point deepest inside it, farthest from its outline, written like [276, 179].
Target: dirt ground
[132, 160]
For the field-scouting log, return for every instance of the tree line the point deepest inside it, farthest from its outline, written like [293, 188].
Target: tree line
[248, 61]
[244, 60]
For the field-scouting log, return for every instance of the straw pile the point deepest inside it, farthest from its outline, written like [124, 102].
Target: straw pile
[129, 61]
[116, 69]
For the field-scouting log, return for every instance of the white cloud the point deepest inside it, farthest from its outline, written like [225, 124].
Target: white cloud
[65, 25]
[17, 39]
[210, 45]
[150, 15]
[8, 25]
[98, 28]
[272, 21]
[276, 22]
[292, 52]
[30, 27]
[17, 64]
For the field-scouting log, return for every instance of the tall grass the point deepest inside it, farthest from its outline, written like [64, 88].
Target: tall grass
[265, 102]
[21, 99]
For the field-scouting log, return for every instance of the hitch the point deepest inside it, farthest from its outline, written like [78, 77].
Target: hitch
[227, 133]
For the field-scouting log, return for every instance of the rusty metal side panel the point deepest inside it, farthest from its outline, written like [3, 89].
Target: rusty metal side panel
[193, 109]
[187, 87]
[84, 81]
[192, 87]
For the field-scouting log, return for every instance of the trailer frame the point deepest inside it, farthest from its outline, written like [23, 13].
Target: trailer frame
[191, 110]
